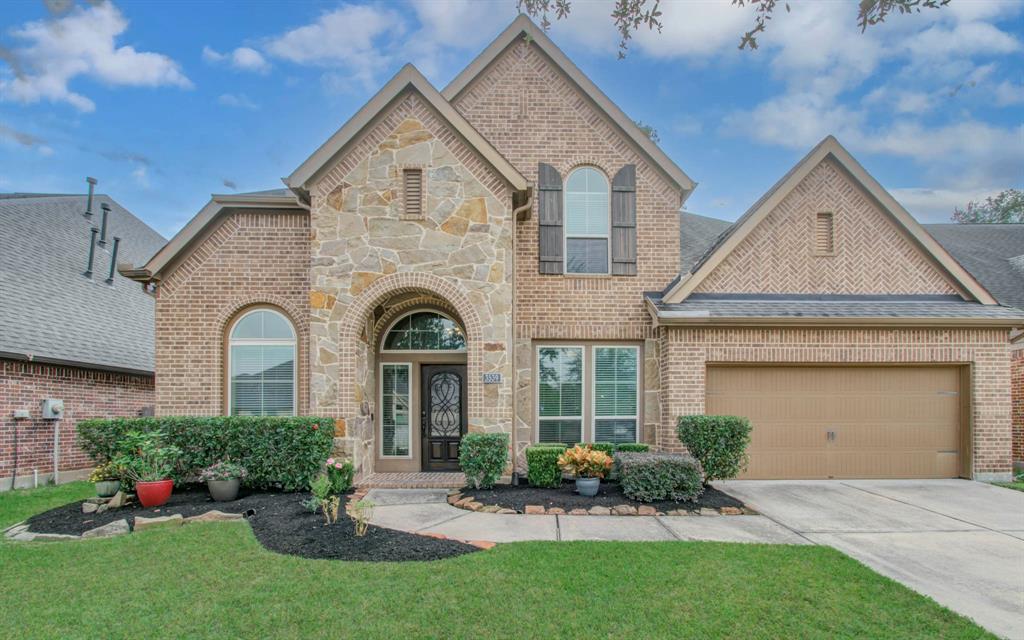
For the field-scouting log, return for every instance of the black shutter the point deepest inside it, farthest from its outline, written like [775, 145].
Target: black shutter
[549, 219]
[624, 222]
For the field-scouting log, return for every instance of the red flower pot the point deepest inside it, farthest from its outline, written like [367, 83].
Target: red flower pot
[154, 494]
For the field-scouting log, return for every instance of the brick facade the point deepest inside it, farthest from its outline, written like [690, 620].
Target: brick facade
[1017, 396]
[86, 394]
[251, 258]
[686, 353]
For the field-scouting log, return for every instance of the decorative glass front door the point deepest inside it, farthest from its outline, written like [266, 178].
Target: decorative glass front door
[443, 415]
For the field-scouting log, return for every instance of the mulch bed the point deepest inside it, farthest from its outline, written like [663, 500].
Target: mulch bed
[610, 494]
[278, 520]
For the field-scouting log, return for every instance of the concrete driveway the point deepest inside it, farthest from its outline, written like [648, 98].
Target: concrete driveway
[957, 541]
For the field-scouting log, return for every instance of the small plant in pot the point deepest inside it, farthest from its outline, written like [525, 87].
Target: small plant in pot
[107, 478]
[588, 466]
[149, 464]
[223, 480]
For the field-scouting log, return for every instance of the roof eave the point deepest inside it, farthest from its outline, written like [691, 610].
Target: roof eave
[27, 357]
[669, 318]
[523, 25]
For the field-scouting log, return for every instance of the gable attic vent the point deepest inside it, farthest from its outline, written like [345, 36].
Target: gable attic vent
[412, 192]
[824, 235]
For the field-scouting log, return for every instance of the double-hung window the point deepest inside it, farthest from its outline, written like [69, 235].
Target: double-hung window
[588, 393]
[587, 219]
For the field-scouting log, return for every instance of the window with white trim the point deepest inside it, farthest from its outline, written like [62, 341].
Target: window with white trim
[261, 365]
[560, 394]
[615, 394]
[394, 410]
[587, 219]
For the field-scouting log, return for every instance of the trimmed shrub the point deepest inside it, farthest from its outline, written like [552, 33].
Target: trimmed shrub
[277, 452]
[719, 442]
[542, 465]
[482, 457]
[659, 476]
[605, 447]
[632, 447]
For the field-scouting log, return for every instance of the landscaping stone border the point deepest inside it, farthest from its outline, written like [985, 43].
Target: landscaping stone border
[20, 533]
[456, 499]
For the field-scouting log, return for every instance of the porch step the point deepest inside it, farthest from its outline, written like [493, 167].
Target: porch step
[418, 480]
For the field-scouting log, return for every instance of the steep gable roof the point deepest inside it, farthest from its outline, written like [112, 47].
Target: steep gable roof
[51, 312]
[523, 26]
[967, 285]
[407, 78]
[993, 253]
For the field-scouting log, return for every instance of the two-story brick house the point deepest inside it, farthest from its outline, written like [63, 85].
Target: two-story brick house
[504, 255]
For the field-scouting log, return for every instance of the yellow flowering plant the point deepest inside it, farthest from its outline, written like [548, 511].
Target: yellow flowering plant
[585, 462]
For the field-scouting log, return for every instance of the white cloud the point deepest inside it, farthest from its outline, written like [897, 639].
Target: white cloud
[687, 125]
[1008, 93]
[242, 58]
[81, 43]
[239, 101]
[936, 205]
[141, 176]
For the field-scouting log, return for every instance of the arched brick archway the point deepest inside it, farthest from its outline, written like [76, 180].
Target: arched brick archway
[355, 318]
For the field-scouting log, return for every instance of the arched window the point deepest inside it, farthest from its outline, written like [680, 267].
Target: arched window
[425, 331]
[261, 365]
[587, 218]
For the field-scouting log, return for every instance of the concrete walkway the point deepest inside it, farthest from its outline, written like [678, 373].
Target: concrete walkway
[957, 541]
[428, 511]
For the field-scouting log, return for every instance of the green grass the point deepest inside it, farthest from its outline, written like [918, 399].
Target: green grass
[216, 581]
[1017, 485]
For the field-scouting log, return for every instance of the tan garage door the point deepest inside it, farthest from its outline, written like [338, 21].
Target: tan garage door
[844, 421]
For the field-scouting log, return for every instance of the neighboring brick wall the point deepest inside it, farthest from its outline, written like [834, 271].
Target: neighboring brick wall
[252, 257]
[872, 255]
[686, 352]
[86, 393]
[1017, 395]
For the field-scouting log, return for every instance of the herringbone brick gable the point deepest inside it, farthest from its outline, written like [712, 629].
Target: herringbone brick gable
[872, 255]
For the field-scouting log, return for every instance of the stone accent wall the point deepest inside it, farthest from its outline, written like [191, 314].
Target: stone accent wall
[87, 393]
[686, 352]
[531, 112]
[1017, 396]
[252, 257]
[872, 256]
[367, 256]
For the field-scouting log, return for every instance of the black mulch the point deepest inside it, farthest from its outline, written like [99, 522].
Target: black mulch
[279, 521]
[610, 494]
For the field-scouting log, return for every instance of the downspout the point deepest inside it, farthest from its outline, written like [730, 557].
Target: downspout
[524, 208]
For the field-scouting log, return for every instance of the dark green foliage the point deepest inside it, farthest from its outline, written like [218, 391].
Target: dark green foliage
[542, 465]
[633, 447]
[277, 452]
[340, 473]
[719, 442]
[659, 476]
[482, 457]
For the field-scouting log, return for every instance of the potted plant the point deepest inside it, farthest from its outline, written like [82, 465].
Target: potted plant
[149, 464]
[588, 465]
[107, 478]
[223, 479]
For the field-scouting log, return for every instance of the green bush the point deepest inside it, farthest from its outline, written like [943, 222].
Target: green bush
[719, 442]
[632, 447]
[542, 465]
[605, 447]
[277, 452]
[659, 476]
[482, 457]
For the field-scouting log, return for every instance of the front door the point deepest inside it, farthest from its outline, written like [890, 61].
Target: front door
[443, 415]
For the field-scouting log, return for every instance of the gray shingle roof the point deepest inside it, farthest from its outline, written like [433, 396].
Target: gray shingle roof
[992, 253]
[696, 235]
[48, 309]
[832, 306]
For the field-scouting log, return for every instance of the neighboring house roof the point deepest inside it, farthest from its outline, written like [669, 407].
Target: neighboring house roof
[408, 77]
[855, 310]
[993, 253]
[522, 26]
[51, 312]
[829, 147]
[696, 235]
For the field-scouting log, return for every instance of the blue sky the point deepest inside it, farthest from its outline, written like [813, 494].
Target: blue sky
[167, 102]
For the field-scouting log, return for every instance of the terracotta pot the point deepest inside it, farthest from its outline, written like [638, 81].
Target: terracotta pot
[587, 486]
[154, 494]
[107, 488]
[223, 490]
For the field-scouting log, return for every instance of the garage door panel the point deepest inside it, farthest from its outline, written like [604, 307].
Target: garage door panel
[888, 422]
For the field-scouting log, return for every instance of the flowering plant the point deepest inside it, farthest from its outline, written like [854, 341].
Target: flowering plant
[340, 473]
[104, 472]
[223, 470]
[585, 462]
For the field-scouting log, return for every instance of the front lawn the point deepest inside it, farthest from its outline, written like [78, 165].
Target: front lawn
[216, 581]
[1017, 485]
